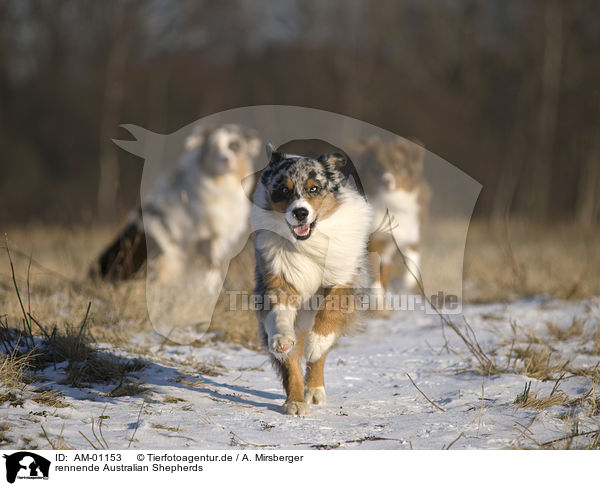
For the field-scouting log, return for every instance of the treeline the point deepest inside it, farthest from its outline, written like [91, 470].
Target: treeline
[506, 90]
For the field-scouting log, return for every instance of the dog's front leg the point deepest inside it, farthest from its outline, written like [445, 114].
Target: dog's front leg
[285, 355]
[293, 381]
[279, 326]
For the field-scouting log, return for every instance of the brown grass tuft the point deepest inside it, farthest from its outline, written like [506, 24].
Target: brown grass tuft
[12, 398]
[170, 399]
[126, 389]
[100, 368]
[564, 334]
[537, 362]
[50, 398]
[166, 427]
[527, 399]
[13, 367]
[211, 367]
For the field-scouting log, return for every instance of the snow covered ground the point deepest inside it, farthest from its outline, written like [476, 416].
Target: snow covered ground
[371, 404]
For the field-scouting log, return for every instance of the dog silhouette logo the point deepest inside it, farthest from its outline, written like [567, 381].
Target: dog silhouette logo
[26, 465]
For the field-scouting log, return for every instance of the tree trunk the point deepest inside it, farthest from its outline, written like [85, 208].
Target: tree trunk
[118, 57]
[550, 89]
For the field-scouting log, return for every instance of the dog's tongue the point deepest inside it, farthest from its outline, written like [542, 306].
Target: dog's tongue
[302, 230]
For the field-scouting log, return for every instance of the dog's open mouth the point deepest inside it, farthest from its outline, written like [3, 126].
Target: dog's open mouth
[302, 231]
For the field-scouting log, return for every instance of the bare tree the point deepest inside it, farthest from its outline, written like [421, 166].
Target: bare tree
[550, 90]
[588, 194]
[119, 50]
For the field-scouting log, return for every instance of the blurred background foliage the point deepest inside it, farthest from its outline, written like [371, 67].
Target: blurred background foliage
[506, 90]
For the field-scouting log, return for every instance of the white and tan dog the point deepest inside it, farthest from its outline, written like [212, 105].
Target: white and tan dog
[312, 228]
[196, 214]
[392, 177]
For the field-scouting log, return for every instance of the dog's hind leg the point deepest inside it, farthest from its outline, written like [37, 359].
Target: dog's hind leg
[315, 382]
[412, 272]
[329, 322]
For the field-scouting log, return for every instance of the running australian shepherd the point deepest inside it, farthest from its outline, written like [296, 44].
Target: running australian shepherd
[311, 231]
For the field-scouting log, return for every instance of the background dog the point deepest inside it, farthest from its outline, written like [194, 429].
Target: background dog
[196, 214]
[312, 227]
[392, 177]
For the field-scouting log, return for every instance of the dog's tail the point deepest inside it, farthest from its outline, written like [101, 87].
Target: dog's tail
[125, 256]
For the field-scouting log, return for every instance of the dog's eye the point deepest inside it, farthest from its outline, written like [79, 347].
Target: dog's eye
[314, 189]
[285, 190]
[235, 146]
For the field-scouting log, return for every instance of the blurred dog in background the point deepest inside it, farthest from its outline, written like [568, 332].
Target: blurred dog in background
[195, 215]
[392, 177]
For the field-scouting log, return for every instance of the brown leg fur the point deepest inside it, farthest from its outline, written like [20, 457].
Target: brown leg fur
[332, 320]
[315, 382]
[293, 381]
[314, 373]
[329, 320]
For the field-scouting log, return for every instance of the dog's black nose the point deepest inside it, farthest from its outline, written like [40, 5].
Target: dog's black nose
[300, 214]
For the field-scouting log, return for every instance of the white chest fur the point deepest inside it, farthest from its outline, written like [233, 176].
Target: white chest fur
[225, 205]
[403, 207]
[333, 255]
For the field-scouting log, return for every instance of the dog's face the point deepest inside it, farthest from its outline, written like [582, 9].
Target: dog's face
[390, 166]
[302, 190]
[227, 149]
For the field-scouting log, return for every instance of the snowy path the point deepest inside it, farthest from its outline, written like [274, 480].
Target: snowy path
[371, 402]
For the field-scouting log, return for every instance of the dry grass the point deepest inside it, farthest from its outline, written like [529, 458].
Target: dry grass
[211, 367]
[50, 398]
[563, 334]
[32, 345]
[170, 399]
[22, 352]
[12, 398]
[537, 362]
[590, 400]
[126, 389]
[520, 259]
[541, 358]
[4, 439]
[100, 368]
[13, 366]
[527, 399]
[58, 291]
[167, 428]
[188, 382]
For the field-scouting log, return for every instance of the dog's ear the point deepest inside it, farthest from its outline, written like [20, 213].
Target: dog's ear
[418, 150]
[254, 147]
[272, 155]
[196, 138]
[335, 159]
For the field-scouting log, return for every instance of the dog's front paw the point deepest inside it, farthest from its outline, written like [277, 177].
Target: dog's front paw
[295, 408]
[315, 395]
[281, 345]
